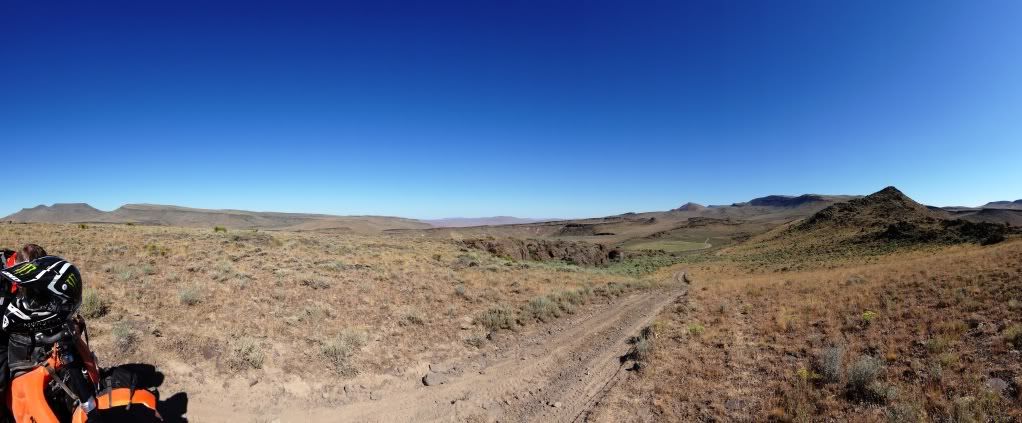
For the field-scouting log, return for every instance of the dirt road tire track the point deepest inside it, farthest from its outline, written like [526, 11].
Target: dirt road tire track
[555, 374]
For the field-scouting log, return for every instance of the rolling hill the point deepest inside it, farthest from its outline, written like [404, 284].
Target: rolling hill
[163, 215]
[875, 224]
[1013, 205]
[689, 227]
[464, 222]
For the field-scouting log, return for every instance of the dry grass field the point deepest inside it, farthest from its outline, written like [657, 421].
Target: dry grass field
[244, 317]
[876, 309]
[922, 335]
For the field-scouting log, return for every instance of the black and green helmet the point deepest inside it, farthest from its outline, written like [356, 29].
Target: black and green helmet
[49, 275]
[49, 293]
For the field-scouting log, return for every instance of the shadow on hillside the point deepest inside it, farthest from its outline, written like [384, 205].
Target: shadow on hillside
[173, 408]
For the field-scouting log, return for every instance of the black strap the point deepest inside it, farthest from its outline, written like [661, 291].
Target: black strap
[60, 383]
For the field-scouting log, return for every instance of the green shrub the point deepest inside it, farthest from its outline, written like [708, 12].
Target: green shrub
[93, 306]
[543, 309]
[340, 352]
[862, 379]
[695, 329]
[831, 363]
[126, 274]
[497, 318]
[125, 339]
[245, 353]
[642, 345]
[868, 317]
[190, 295]
[1013, 335]
[219, 229]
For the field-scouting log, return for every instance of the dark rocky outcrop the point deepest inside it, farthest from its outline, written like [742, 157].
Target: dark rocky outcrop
[889, 215]
[580, 253]
[786, 200]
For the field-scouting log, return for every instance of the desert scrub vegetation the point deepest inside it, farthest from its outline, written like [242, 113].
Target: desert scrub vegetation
[245, 353]
[863, 380]
[545, 308]
[93, 305]
[831, 364]
[497, 318]
[916, 335]
[189, 295]
[125, 338]
[184, 299]
[340, 352]
[1013, 335]
[644, 343]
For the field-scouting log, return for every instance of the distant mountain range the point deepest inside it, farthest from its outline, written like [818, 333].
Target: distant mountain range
[153, 214]
[1013, 205]
[464, 222]
[772, 208]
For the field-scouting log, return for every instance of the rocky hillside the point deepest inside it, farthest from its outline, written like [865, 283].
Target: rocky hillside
[786, 200]
[580, 253]
[873, 225]
[890, 215]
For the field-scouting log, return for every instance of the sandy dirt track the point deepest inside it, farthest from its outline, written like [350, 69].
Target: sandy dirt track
[558, 374]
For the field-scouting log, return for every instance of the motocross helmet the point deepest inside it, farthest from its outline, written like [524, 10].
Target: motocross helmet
[49, 293]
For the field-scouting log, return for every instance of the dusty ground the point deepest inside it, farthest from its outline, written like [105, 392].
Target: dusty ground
[267, 323]
[304, 327]
[931, 335]
[552, 373]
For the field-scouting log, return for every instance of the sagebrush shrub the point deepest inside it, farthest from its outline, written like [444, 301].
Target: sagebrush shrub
[93, 306]
[340, 352]
[497, 318]
[1013, 335]
[832, 364]
[543, 309]
[862, 375]
[246, 353]
[189, 296]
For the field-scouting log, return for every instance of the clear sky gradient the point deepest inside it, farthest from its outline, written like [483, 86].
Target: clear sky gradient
[529, 108]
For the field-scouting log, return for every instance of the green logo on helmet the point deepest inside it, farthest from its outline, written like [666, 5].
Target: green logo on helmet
[72, 280]
[26, 269]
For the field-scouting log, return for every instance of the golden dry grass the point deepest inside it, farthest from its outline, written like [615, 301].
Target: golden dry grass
[282, 314]
[926, 335]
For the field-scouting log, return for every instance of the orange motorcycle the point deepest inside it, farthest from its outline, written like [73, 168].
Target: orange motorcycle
[60, 383]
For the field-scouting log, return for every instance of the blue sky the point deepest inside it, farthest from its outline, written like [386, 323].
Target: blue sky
[528, 108]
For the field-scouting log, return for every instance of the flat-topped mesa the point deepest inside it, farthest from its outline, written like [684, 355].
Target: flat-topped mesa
[786, 200]
[1012, 205]
[57, 213]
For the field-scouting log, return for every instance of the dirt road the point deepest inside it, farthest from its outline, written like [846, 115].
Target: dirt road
[555, 374]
